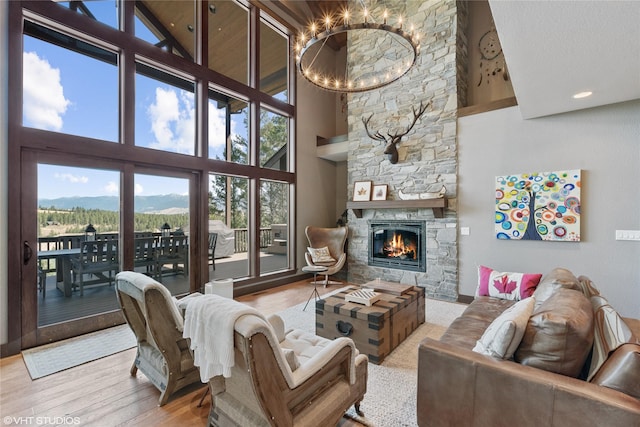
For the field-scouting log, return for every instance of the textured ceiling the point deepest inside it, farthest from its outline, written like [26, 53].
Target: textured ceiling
[555, 49]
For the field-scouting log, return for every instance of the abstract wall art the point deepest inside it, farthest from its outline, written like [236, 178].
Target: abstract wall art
[538, 206]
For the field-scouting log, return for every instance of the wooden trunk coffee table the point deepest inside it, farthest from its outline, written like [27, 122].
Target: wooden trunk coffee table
[377, 329]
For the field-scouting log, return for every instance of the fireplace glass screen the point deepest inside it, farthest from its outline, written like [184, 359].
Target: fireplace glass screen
[397, 244]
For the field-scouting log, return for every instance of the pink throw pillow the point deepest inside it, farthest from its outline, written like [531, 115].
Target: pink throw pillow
[511, 286]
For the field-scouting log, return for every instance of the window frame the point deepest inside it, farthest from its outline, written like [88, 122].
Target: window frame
[130, 49]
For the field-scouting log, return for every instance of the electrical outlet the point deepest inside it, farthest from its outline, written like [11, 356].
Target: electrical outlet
[464, 231]
[628, 235]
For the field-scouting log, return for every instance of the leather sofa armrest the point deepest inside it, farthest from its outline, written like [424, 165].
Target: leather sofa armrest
[463, 388]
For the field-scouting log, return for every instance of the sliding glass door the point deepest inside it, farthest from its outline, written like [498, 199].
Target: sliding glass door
[78, 229]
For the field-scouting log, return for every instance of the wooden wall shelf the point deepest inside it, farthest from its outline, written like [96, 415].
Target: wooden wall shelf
[438, 205]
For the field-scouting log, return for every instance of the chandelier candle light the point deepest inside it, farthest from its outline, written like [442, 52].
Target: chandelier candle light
[397, 52]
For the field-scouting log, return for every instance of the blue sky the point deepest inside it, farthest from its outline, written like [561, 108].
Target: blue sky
[71, 93]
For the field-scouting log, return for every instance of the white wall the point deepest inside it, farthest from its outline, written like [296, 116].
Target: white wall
[317, 179]
[3, 173]
[605, 144]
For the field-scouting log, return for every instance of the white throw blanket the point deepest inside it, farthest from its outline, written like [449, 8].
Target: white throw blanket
[209, 324]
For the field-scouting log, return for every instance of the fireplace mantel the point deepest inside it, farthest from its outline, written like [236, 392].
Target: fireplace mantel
[438, 205]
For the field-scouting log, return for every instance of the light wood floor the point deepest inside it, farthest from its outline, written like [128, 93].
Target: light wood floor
[102, 393]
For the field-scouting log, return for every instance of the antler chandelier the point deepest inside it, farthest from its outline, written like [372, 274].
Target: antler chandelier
[383, 53]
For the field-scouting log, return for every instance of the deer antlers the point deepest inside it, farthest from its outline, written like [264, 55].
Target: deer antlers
[392, 140]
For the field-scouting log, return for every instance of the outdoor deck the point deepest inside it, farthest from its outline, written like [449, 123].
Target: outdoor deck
[55, 307]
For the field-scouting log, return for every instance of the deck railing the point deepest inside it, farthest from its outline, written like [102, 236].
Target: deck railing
[241, 237]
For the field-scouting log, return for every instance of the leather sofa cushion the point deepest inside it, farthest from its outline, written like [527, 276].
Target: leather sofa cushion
[559, 335]
[467, 329]
[503, 336]
[558, 278]
[621, 370]
[610, 332]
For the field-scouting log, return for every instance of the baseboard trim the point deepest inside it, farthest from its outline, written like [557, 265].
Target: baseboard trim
[465, 299]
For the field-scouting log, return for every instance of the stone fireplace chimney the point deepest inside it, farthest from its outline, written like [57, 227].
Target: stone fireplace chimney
[427, 153]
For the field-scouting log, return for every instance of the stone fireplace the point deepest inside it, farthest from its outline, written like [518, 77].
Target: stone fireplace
[397, 244]
[427, 154]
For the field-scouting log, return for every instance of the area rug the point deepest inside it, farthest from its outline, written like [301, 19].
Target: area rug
[51, 358]
[391, 386]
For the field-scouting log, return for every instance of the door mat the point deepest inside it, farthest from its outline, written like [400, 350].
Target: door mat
[55, 357]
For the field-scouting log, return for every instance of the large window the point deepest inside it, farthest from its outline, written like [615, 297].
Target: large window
[229, 26]
[69, 85]
[165, 111]
[104, 11]
[274, 60]
[228, 128]
[124, 87]
[274, 138]
[169, 25]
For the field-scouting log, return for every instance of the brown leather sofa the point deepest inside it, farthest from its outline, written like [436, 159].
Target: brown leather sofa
[460, 387]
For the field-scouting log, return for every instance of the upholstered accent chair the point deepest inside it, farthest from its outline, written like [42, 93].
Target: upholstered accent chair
[163, 354]
[334, 240]
[282, 379]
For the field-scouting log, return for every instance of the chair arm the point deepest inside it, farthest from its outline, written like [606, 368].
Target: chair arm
[308, 258]
[278, 326]
[323, 357]
[340, 261]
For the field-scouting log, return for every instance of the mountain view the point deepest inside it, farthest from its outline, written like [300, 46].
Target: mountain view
[167, 203]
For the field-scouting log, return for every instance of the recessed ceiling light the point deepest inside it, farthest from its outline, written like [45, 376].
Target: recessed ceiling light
[582, 94]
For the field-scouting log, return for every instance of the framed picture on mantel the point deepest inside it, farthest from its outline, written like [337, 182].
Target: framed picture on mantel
[379, 192]
[362, 191]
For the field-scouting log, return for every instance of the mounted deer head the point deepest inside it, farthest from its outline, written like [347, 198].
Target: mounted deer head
[392, 140]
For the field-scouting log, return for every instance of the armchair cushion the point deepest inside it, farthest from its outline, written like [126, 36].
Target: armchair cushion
[320, 255]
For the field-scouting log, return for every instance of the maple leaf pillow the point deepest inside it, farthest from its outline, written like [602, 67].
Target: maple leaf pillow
[511, 286]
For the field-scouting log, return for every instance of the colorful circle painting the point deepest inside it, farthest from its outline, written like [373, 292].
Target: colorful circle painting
[538, 206]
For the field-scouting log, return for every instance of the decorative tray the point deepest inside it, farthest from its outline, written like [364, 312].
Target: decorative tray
[362, 296]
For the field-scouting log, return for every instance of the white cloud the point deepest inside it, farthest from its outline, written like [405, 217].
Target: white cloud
[74, 179]
[44, 101]
[112, 188]
[138, 189]
[217, 126]
[173, 121]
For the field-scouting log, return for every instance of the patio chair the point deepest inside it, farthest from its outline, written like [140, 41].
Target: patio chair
[98, 258]
[145, 255]
[213, 239]
[173, 250]
[162, 355]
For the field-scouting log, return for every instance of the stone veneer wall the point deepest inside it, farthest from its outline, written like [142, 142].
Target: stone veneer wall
[428, 154]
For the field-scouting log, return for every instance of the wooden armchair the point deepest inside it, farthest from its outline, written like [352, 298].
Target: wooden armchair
[284, 379]
[98, 258]
[163, 355]
[174, 251]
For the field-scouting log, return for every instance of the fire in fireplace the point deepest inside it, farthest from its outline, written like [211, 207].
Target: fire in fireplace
[397, 244]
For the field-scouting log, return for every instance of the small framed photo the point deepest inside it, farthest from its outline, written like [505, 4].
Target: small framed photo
[362, 191]
[379, 192]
